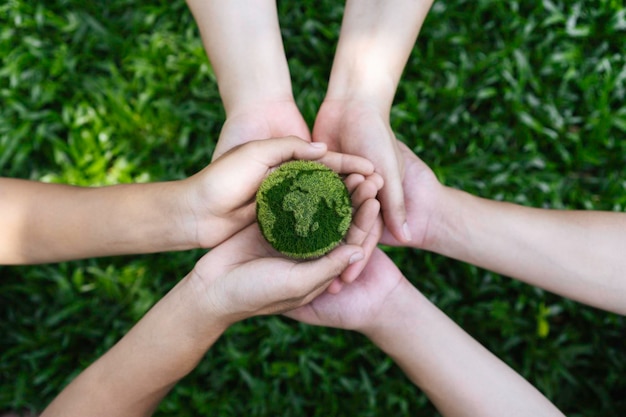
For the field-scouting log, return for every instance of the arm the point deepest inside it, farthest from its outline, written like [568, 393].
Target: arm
[53, 222]
[50, 222]
[376, 40]
[240, 278]
[459, 375]
[577, 254]
[133, 377]
[242, 39]
[243, 42]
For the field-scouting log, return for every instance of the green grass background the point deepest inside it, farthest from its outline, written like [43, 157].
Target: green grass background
[519, 101]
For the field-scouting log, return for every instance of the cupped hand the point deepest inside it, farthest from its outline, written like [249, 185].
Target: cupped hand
[244, 276]
[221, 196]
[359, 304]
[361, 128]
[269, 119]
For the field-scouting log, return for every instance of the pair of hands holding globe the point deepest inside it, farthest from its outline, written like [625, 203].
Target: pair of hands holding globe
[367, 127]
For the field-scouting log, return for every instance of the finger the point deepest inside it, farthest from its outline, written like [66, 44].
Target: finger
[352, 181]
[365, 232]
[275, 151]
[364, 191]
[313, 276]
[363, 222]
[335, 286]
[347, 164]
[393, 206]
[377, 179]
[369, 246]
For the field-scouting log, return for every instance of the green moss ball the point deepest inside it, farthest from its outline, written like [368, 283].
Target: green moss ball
[303, 209]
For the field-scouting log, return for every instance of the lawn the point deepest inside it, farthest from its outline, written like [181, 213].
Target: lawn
[516, 101]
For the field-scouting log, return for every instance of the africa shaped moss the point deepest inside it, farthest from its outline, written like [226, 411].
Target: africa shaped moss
[303, 209]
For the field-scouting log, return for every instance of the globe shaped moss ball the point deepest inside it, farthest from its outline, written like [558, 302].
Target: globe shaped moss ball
[303, 209]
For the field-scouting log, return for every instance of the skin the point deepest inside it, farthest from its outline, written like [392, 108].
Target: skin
[375, 42]
[239, 35]
[240, 278]
[577, 254]
[459, 375]
[573, 253]
[49, 222]
[376, 39]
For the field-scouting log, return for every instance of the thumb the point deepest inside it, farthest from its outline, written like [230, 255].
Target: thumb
[316, 275]
[275, 151]
[394, 210]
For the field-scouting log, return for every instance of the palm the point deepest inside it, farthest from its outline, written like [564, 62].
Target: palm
[247, 271]
[357, 129]
[223, 193]
[361, 129]
[358, 303]
[266, 120]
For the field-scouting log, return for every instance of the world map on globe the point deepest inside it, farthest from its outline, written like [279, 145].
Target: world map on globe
[303, 209]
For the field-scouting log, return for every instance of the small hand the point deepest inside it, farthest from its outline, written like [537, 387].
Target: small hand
[360, 128]
[358, 304]
[221, 196]
[244, 276]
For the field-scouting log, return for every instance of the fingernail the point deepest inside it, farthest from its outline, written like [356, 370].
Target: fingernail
[406, 231]
[356, 257]
[318, 145]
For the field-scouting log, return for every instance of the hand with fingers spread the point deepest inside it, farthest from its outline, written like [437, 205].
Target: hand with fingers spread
[240, 278]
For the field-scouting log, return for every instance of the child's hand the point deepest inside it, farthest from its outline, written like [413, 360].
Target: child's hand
[360, 304]
[244, 276]
[424, 198]
[359, 128]
[221, 197]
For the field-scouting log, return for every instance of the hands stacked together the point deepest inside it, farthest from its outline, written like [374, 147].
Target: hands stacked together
[397, 201]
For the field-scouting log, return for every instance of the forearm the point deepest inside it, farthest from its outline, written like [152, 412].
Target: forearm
[577, 254]
[459, 375]
[54, 222]
[376, 40]
[132, 378]
[243, 41]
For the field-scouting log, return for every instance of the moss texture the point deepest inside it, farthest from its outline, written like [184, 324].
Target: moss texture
[303, 209]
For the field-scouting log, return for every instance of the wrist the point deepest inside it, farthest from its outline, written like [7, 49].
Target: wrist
[401, 306]
[244, 45]
[176, 219]
[209, 299]
[197, 225]
[256, 104]
[202, 321]
[362, 85]
[448, 229]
